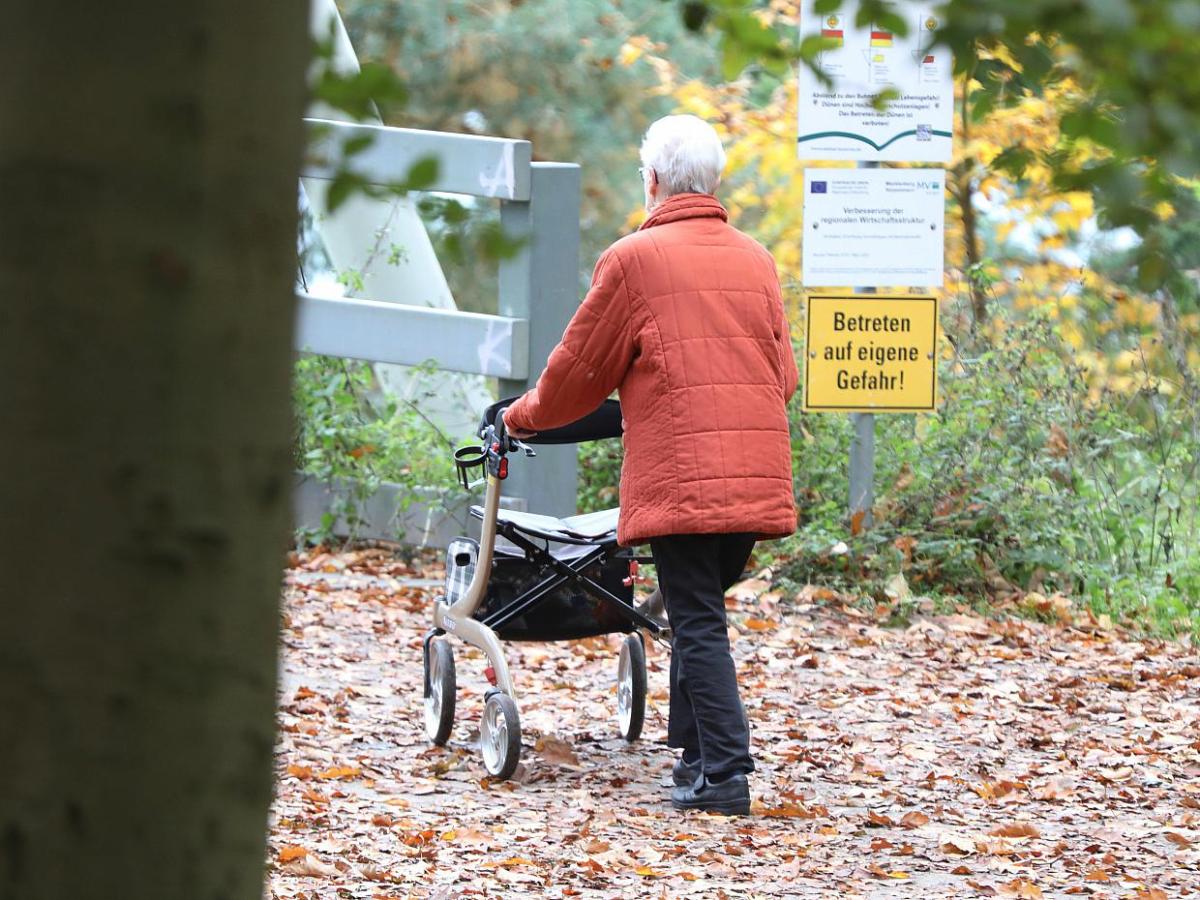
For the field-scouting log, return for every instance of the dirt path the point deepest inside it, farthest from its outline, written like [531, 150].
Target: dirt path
[956, 758]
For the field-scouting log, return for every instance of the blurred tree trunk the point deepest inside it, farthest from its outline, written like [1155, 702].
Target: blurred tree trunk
[1175, 336]
[962, 186]
[148, 161]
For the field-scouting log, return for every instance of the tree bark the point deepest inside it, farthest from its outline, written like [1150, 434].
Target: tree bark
[964, 191]
[1176, 340]
[149, 155]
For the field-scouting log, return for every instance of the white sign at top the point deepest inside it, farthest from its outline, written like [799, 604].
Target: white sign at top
[841, 123]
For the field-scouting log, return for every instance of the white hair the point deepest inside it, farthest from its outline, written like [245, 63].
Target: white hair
[686, 154]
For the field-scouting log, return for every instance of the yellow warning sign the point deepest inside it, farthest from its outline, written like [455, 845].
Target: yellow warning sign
[872, 353]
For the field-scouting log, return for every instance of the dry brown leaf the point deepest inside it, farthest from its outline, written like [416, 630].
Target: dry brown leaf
[371, 873]
[1054, 789]
[880, 872]
[304, 773]
[1178, 839]
[310, 865]
[1019, 887]
[287, 854]
[956, 844]
[914, 819]
[1017, 830]
[784, 811]
[757, 625]
[556, 751]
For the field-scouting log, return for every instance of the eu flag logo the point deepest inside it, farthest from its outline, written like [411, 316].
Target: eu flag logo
[820, 187]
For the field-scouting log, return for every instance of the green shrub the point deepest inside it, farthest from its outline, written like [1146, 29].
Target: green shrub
[350, 432]
[1019, 482]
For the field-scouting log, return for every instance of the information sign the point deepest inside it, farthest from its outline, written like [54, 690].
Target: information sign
[874, 227]
[870, 353]
[842, 122]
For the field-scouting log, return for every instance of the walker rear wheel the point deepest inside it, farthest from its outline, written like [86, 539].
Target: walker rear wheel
[500, 735]
[440, 688]
[631, 687]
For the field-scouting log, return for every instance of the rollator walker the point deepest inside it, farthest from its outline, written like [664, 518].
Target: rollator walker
[550, 579]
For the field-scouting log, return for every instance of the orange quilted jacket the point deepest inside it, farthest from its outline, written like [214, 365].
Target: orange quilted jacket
[686, 320]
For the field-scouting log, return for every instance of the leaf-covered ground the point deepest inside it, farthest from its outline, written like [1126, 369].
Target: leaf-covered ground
[957, 757]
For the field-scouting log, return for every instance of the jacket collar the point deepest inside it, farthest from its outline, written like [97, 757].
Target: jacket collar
[686, 206]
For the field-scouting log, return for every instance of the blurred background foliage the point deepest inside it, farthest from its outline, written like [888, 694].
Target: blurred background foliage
[558, 73]
[1063, 461]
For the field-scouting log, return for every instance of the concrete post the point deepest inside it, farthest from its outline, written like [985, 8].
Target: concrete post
[541, 284]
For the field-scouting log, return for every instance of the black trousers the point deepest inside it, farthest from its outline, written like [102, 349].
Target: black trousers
[706, 717]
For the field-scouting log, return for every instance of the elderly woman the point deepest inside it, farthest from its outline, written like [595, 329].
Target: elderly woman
[686, 320]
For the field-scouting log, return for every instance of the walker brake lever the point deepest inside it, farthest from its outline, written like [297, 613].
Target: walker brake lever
[521, 445]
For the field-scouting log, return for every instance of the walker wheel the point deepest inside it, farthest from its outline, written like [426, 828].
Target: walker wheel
[631, 687]
[440, 688]
[500, 735]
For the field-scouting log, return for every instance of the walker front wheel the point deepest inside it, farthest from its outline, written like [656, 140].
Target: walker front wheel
[440, 688]
[500, 736]
[631, 687]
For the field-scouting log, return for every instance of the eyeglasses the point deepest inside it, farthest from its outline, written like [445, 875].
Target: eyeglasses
[642, 170]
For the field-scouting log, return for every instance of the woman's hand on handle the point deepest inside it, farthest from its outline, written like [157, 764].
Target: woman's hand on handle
[516, 434]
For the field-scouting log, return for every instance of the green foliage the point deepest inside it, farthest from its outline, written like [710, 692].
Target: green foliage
[562, 74]
[1129, 132]
[350, 434]
[1020, 482]
[599, 475]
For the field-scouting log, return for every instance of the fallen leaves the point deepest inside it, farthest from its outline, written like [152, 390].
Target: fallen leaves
[556, 751]
[1017, 830]
[959, 756]
[1019, 887]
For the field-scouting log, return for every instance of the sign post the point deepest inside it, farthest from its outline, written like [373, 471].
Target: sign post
[870, 227]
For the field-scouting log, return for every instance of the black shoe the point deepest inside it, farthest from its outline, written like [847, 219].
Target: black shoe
[684, 773]
[730, 797]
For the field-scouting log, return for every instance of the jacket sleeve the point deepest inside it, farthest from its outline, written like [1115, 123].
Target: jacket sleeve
[591, 359]
[783, 335]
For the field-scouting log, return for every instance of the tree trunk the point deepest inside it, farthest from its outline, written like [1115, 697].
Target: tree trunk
[149, 155]
[963, 189]
[1175, 337]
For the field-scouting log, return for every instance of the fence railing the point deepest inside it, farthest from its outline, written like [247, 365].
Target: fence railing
[539, 286]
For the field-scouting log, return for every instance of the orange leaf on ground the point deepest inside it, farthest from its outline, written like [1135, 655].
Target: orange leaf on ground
[302, 772]
[914, 819]
[1017, 830]
[758, 625]
[1178, 839]
[287, 854]
[339, 772]
[1019, 887]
